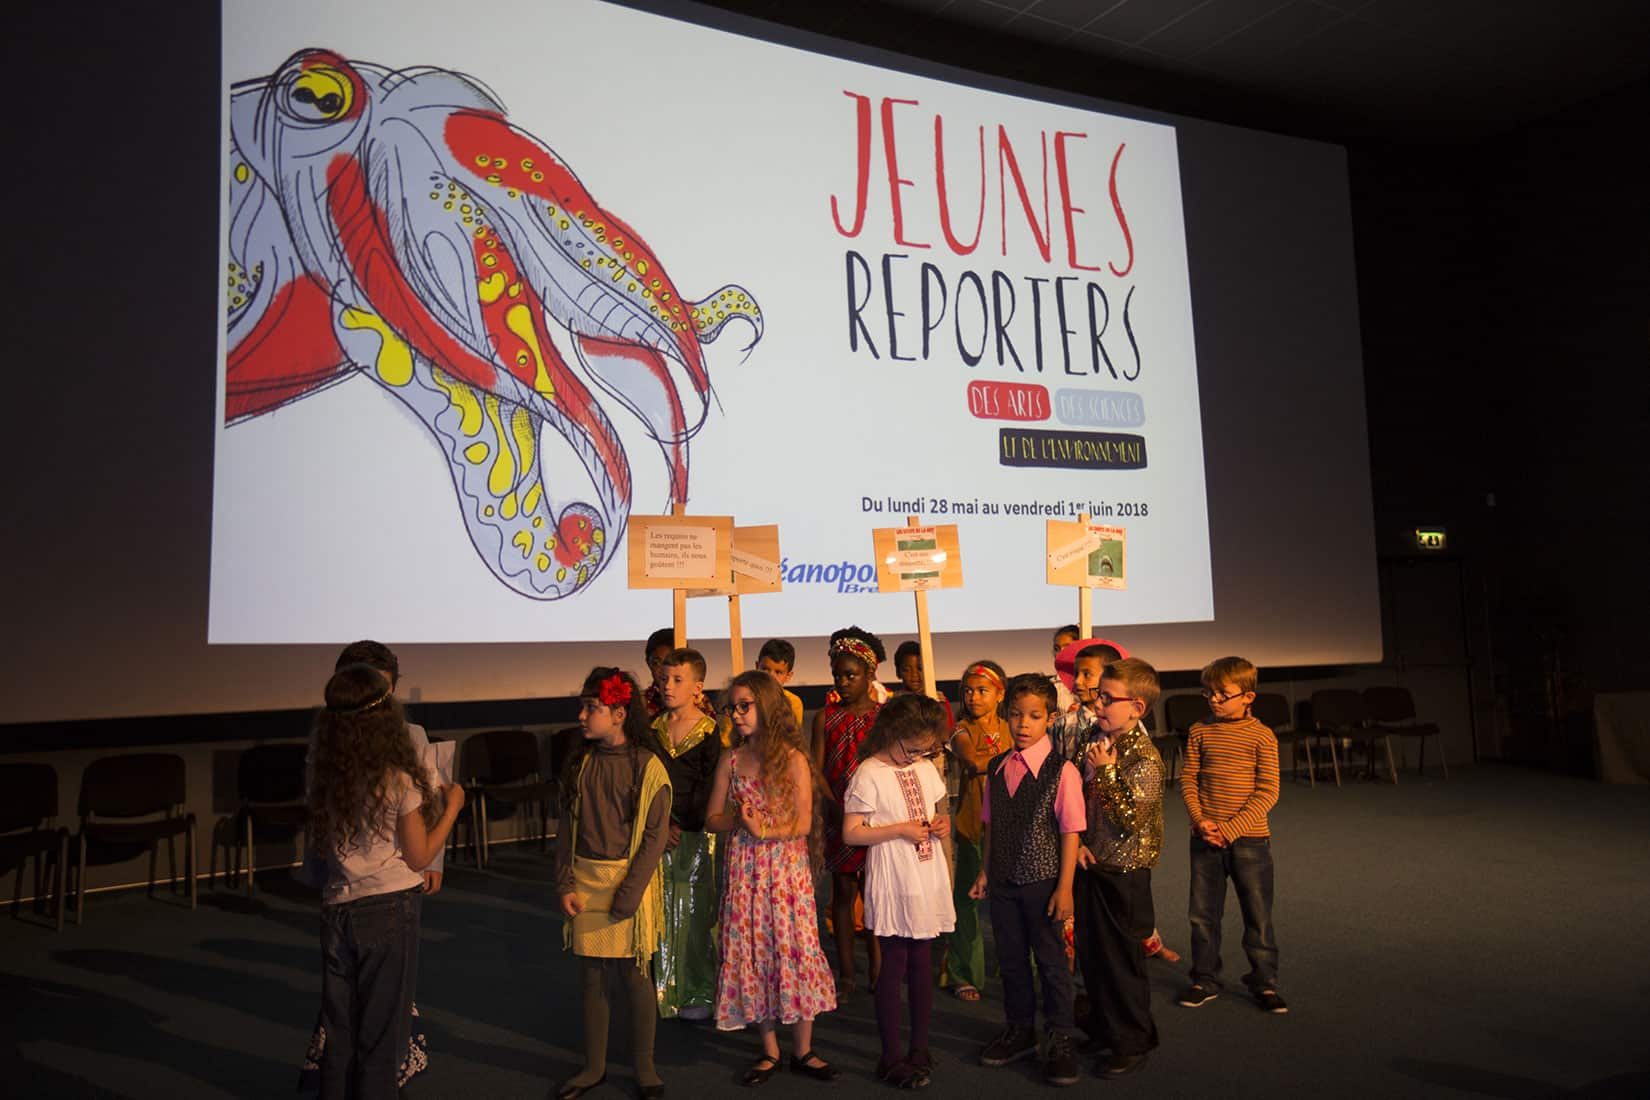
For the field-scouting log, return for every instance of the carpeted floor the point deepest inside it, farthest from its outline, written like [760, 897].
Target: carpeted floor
[1488, 936]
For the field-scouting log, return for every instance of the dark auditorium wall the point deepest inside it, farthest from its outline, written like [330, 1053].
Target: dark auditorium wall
[1504, 286]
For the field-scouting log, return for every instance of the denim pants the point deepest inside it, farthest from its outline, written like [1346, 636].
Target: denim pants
[369, 954]
[1023, 930]
[1248, 863]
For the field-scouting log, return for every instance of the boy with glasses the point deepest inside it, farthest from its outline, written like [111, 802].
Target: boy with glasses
[1229, 782]
[1123, 798]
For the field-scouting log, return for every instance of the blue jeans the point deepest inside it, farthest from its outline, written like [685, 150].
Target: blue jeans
[1248, 863]
[369, 951]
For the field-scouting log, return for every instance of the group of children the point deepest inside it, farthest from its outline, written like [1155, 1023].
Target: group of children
[691, 843]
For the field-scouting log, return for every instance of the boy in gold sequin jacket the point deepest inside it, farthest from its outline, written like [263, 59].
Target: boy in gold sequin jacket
[1123, 791]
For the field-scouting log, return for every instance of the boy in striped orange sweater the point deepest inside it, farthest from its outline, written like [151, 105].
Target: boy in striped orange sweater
[1229, 782]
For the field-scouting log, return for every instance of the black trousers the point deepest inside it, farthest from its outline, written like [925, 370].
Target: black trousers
[1109, 906]
[369, 953]
[1023, 929]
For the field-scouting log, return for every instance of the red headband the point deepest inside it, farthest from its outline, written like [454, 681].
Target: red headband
[985, 672]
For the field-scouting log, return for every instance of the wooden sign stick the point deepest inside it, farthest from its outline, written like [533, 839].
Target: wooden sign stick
[678, 598]
[736, 635]
[925, 638]
[1085, 599]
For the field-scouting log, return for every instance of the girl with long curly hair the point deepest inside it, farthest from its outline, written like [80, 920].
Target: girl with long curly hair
[772, 969]
[379, 822]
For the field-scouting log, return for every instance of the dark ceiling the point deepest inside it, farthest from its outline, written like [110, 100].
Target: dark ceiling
[1398, 70]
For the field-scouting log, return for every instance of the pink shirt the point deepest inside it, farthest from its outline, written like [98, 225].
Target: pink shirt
[1068, 796]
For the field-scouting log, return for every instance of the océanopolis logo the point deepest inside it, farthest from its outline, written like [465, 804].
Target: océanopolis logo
[847, 576]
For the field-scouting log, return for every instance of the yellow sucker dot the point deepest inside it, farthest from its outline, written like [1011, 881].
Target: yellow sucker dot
[394, 363]
[542, 562]
[523, 542]
[503, 474]
[519, 320]
[464, 400]
[477, 454]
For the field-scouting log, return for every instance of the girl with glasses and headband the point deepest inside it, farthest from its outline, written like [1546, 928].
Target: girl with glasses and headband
[896, 805]
[772, 969]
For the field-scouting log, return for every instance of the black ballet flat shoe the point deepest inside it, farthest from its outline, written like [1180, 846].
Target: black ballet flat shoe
[822, 1072]
[573, 1092]
[651, 1092]
[760, 1070]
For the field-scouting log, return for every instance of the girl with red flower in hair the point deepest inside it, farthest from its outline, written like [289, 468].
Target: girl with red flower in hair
[616, 801]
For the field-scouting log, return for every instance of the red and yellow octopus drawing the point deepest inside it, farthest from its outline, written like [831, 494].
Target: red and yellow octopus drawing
[394, 223]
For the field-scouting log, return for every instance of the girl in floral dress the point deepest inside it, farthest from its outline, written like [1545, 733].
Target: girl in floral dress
[772, 970]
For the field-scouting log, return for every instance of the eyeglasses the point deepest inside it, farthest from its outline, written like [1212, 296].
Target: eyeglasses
[1106, 700]
[739, 709]
[917, 754]
[1216, 697]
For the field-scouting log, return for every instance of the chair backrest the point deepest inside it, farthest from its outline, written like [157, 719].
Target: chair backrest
[1180, 711]
[499, 756]
[28, 796]
[1272, 709]
[132, 786]
[272, 773]
[1389, 705]
[1337, 708]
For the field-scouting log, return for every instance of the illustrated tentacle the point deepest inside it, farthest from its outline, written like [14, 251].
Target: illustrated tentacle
[731, 303]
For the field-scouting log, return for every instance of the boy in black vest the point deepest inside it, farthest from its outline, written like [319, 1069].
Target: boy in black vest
[1033, 817]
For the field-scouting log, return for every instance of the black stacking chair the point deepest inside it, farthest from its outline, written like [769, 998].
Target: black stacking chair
[1273, 710]
[504, 766]
[29, 830]
[564, 743]
[150, 785]
[271, 781]
[1340, 714]
[1180, 714]
[1393, 709]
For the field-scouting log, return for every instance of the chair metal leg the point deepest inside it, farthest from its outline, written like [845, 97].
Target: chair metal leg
[17, 891]
[1335, 760]
[80, 883]
[482, 837]
[62, 876]
[251, 861]
[154, 854]
[475, 829]
[1391, 765]
[189, 860]
[171, 865]
[1311, 768]
[1443, 760]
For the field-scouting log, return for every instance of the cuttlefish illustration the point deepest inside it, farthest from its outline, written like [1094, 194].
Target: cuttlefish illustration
[394, 223]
